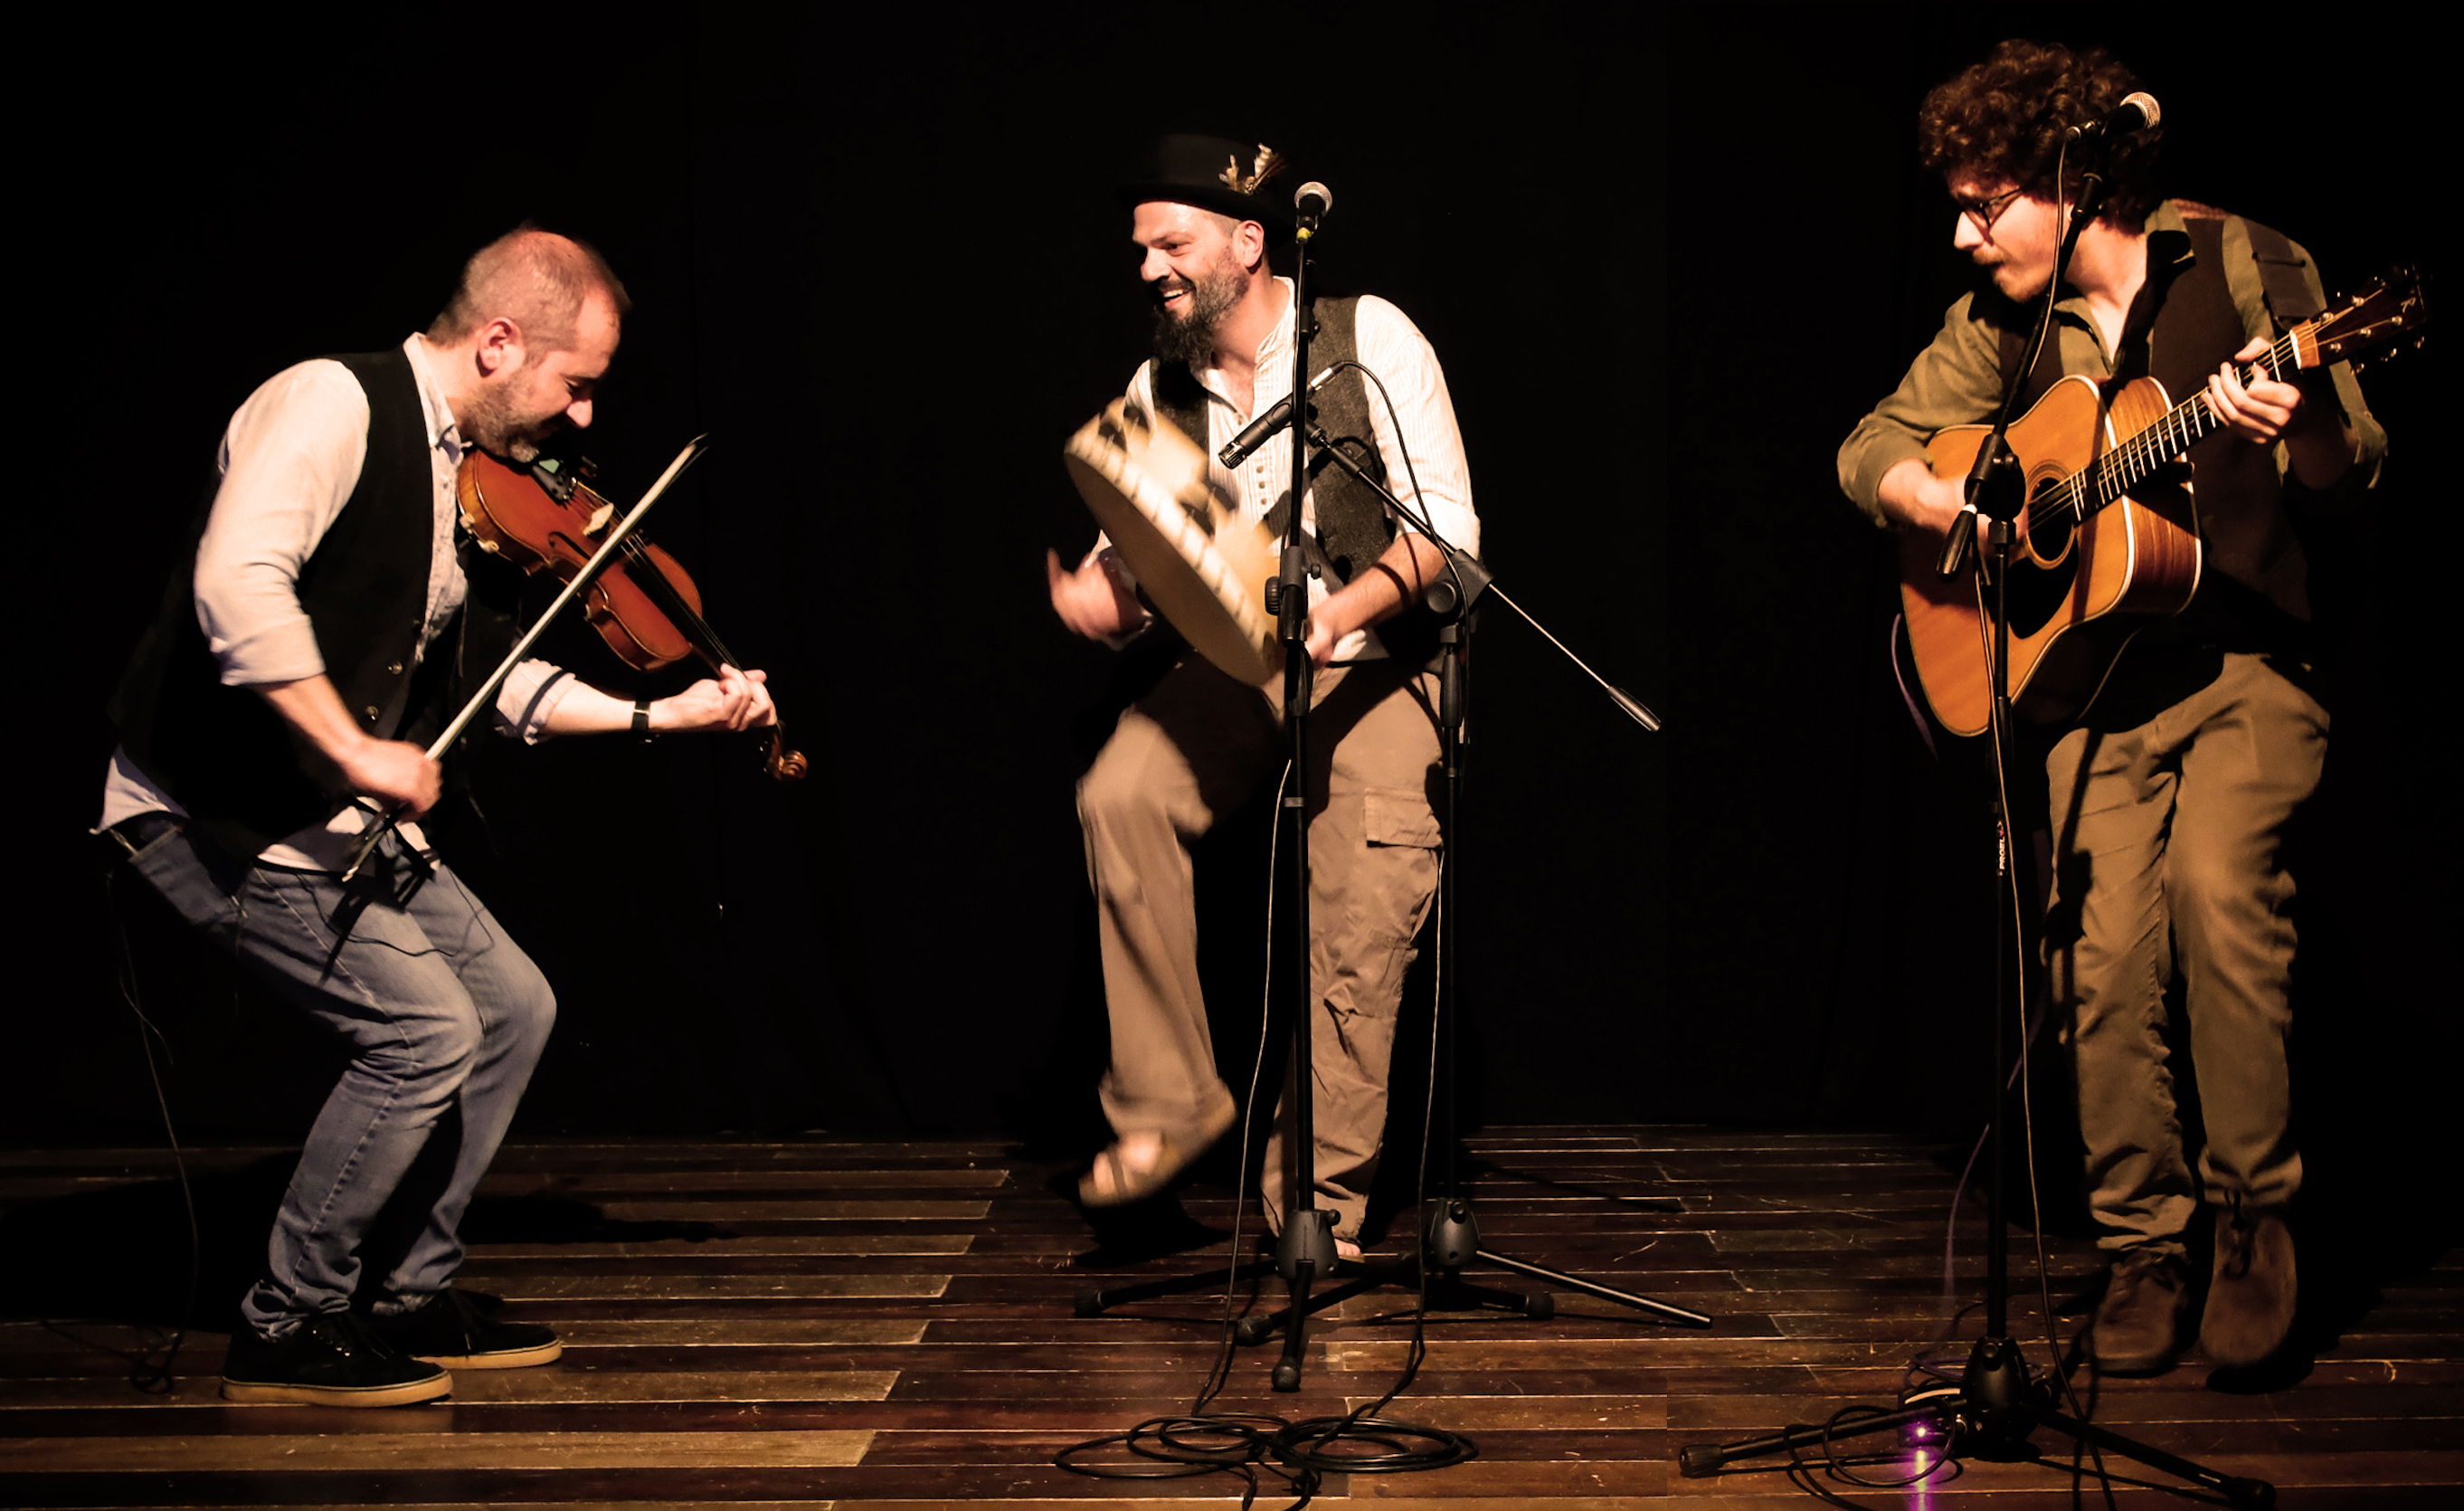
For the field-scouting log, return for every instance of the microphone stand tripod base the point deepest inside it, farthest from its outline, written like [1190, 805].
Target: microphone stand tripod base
[1449, 1244]
[1990, 1418]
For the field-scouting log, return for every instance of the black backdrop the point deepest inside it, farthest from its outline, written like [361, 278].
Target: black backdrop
[1667, 257]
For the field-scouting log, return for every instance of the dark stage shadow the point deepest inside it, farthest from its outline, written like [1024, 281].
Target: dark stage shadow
[1137, 1232]
[124, 1254]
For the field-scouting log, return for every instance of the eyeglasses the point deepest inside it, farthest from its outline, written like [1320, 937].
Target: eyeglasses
[1986, 212]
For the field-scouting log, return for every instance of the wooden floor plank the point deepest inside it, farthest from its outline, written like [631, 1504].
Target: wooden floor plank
[721, 1333]
[602, 1386]
[734, 1181]
[721, 1207]
[485, 1254]
[443, 1449]
[714, 1288]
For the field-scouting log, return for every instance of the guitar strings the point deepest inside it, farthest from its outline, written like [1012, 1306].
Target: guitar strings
[2116, 473]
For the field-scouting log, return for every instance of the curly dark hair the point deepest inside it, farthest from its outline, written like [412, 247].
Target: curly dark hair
[2004, 119]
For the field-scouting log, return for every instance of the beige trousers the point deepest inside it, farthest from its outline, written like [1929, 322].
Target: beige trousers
[2168, 842]
[1191, 751]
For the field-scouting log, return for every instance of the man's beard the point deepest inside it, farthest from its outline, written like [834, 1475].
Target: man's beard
[2008, 282]
[495, 426]
[1190, 339]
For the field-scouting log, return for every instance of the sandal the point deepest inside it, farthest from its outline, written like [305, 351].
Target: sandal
[1115, 1181]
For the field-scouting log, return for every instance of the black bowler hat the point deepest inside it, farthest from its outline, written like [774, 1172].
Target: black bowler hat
[1243, 180]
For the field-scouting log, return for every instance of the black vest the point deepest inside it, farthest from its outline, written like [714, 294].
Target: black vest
[2253, 590]
[246, 778]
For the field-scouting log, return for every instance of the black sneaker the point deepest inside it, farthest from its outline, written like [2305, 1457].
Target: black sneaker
[452, 1330]
[331, 1359]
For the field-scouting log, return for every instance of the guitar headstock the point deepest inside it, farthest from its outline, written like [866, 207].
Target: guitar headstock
[2369, 323]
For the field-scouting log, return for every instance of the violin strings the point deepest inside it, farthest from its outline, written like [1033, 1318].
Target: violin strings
[654, 582]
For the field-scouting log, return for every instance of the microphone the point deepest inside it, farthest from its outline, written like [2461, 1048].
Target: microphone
[2138, 112]
[1314, 199]
[1262, 430]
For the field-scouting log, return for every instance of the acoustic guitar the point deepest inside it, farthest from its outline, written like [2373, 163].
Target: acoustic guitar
[2094, 563]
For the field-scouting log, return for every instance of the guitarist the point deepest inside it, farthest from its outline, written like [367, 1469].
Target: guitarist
[2169, 802]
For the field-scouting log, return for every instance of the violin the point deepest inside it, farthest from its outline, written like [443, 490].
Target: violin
[645, 608]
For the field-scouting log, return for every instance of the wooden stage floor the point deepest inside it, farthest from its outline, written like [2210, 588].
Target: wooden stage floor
[890, 1325]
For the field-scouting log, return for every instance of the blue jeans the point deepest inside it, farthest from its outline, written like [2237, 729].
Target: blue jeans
[443, 1017]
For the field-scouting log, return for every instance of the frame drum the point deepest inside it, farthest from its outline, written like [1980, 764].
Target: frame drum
[1200, 566]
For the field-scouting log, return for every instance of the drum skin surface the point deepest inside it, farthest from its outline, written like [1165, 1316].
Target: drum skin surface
[1200, 566]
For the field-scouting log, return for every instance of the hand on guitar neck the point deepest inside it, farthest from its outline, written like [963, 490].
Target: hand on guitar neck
[2316, 439]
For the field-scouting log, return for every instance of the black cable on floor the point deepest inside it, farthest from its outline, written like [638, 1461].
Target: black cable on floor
[146, 1373]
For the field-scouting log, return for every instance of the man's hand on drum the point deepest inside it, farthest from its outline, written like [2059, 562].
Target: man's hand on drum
[1394, 582]
[1093, 601]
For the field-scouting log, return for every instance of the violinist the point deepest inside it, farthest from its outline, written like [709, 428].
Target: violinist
[311, 638]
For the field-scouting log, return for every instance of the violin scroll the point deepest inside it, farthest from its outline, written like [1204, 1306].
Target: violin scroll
[780, 763]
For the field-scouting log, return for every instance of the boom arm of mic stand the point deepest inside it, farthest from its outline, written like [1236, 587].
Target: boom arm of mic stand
[487, 690]
[1474, 582]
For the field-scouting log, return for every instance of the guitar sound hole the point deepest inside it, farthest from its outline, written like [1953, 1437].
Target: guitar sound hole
[2038, 592]
[2049, 530]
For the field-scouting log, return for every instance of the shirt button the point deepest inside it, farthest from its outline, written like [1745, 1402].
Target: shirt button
[372, 713]
[395, 668]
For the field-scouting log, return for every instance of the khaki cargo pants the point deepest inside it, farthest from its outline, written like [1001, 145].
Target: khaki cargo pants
[1192, 750]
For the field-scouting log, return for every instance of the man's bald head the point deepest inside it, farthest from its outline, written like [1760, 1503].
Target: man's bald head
[535, 279]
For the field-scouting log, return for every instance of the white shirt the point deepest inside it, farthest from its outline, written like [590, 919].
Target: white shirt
[290, 461]
[1390, 345]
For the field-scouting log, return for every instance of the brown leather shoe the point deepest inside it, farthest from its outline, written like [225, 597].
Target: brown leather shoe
[2250, 1304]
[2137, 1324]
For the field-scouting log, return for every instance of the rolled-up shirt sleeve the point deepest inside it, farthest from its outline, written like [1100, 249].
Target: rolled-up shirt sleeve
[531, 693]
[1957, 380]
[290, 461]
[1392, 347]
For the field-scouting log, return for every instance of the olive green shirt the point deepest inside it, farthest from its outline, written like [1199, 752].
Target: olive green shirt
[1957, 380]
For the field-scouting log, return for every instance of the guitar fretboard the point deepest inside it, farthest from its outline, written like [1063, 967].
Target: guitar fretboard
[2118, 472]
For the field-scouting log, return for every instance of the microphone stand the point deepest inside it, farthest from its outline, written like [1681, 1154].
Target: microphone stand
[1997, 1403]
[1305, 1249]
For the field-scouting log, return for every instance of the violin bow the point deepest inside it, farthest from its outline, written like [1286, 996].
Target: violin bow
[599, 561]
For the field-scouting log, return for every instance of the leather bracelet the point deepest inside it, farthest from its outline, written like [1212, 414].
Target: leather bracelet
[642, 720]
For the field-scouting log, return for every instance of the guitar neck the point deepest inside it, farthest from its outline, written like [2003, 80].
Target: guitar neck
[2119, 471]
